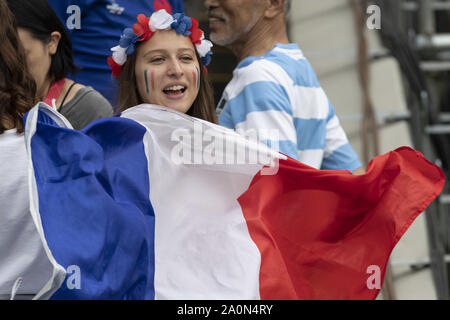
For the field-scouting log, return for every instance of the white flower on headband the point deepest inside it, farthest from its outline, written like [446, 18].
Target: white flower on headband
[119, 55]
[204, 47]
[160, 20]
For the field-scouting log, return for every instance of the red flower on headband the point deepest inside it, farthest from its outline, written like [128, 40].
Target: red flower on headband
[142, 28]
[162, 4]
[196, 33]
[116, 68]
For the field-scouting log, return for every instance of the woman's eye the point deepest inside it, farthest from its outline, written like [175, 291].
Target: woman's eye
[156, 60]
[187, 58]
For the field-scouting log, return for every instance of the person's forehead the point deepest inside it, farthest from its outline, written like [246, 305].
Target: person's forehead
[168, 40]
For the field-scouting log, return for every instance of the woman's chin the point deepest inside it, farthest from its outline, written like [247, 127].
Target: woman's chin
[180, 107]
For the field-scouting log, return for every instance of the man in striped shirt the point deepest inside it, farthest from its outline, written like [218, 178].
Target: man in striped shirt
[274, 88]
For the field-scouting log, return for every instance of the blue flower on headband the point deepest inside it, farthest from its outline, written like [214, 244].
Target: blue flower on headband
[128, 39]
[206, 60]
[182, 24]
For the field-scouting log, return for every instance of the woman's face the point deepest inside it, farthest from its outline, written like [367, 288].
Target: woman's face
[39, 57]
[167, 71]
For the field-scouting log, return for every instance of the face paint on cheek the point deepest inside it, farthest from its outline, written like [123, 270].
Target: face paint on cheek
[146, 82]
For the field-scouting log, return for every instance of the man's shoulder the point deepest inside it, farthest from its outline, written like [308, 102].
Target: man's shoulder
[283, 62]
[259, 75]
[271, 67]
[286, 52]
[280, 55]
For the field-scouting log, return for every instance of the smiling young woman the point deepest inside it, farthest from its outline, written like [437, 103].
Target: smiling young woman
[165, 68]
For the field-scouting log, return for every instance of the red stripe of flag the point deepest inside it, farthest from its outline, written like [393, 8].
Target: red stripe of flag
[319, 231]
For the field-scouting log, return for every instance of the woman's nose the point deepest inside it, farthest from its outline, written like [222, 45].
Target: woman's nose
[175, 69]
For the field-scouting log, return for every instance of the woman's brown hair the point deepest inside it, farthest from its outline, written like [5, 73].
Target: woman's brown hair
[202, 108]
[17, 88]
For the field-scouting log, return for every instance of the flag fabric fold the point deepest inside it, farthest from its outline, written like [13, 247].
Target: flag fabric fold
[347, 223]
[155, 204]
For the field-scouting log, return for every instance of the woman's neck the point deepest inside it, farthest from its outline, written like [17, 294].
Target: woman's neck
[43, 92]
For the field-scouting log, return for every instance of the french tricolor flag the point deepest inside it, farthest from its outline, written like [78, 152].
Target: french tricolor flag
[141, 207]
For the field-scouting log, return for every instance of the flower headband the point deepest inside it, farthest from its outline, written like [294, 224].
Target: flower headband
[144, 30]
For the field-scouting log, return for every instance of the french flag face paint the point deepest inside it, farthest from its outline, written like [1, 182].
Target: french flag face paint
[149, 81]
[196, 75]
[146, 82]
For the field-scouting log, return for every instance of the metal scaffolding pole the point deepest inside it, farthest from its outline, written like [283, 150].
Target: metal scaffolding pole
[427, 21]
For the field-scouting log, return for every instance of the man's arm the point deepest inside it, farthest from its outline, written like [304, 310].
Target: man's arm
[339, 154]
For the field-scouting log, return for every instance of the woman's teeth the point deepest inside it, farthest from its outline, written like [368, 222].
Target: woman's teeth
[174, 89]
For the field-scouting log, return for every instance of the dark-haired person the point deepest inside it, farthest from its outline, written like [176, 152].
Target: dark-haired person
[49, 58]
[24, 267]
[162, 61]
[100, 23]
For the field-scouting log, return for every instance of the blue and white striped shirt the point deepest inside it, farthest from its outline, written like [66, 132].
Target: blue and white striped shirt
[279, 92]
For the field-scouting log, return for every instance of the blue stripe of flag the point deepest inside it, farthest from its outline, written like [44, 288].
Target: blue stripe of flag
[93, 188]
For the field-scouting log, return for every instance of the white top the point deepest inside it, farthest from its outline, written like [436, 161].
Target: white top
[21, 251]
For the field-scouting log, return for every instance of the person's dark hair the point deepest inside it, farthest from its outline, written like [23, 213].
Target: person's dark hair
[38, 17]
[202, 108]
[17, 88]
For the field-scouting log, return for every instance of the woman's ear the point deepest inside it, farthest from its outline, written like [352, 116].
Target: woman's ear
[52, 45]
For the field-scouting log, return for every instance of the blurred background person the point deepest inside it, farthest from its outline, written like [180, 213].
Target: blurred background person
[24, 266]
[48, 50]
[100, 23]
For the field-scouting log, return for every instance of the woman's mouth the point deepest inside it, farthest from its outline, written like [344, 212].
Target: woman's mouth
[175, 92]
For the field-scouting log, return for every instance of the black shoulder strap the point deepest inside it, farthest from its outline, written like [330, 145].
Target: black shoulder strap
[67, 93]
